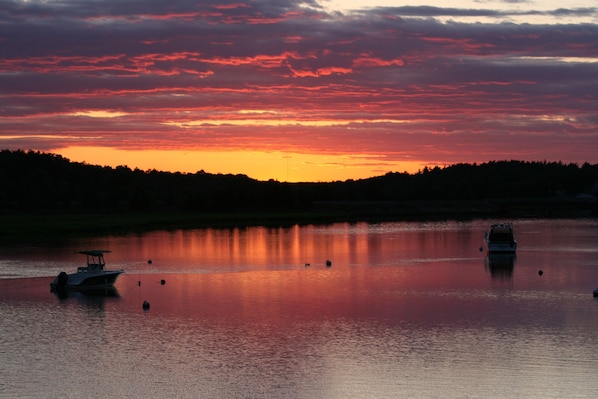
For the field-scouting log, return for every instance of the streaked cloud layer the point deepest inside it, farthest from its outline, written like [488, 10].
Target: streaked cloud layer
[368, 90]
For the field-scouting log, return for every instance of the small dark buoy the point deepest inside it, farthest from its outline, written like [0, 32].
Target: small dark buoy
[540, 272]
[162, 282]
[481, 249]
[307, 264]
[149, 261]
[328, 263]
[139, 283]
[146, 305]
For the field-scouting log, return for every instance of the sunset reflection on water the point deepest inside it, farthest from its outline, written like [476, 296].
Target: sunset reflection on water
[284, 248]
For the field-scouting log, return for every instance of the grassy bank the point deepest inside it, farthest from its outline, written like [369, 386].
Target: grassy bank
[19, 227]
[32, 227]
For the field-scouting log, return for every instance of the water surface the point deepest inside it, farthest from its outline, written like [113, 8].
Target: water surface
[411, 310]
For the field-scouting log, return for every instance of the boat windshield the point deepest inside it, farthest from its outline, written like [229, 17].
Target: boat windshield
[501, 234]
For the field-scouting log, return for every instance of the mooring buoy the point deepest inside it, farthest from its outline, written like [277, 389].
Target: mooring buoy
[146, 305]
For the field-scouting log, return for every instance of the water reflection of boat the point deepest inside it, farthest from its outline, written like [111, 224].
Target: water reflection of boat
[501, 265]
[89, 295]
[500, 239]
[91, 277]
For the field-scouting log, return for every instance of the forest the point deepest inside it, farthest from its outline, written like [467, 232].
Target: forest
[37, 182]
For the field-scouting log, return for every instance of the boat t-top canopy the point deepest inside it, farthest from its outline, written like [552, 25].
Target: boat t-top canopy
[95, 258]
[95, 252]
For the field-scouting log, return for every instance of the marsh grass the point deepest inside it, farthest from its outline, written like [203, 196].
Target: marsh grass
[26, 227]
[32, 227]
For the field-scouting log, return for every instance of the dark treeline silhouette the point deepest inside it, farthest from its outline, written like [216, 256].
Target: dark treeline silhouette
[33, 181]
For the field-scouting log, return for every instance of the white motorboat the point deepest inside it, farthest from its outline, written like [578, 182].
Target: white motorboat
[92, 276]
[500, 239]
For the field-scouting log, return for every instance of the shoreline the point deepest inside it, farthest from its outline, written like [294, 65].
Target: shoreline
[31, 227]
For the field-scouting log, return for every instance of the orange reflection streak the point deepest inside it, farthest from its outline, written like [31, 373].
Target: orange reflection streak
[267, 248]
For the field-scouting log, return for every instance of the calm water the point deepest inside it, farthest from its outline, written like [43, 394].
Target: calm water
[407, 310]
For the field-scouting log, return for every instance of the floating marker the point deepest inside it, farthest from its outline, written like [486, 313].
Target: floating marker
[162, 282]
[146, 305]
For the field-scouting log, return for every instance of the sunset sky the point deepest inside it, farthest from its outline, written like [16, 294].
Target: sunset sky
[300, 91]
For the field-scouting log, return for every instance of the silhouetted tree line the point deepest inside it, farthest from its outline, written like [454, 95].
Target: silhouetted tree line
[42, 182]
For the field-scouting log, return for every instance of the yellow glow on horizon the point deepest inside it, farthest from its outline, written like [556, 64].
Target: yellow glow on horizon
[260, 165]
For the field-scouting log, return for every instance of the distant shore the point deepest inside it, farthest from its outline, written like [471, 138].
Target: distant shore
[31, 227]
[47, 197]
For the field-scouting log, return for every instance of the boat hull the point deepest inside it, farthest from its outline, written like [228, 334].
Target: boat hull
[93, 280]
[86, 280]
[501, 247]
